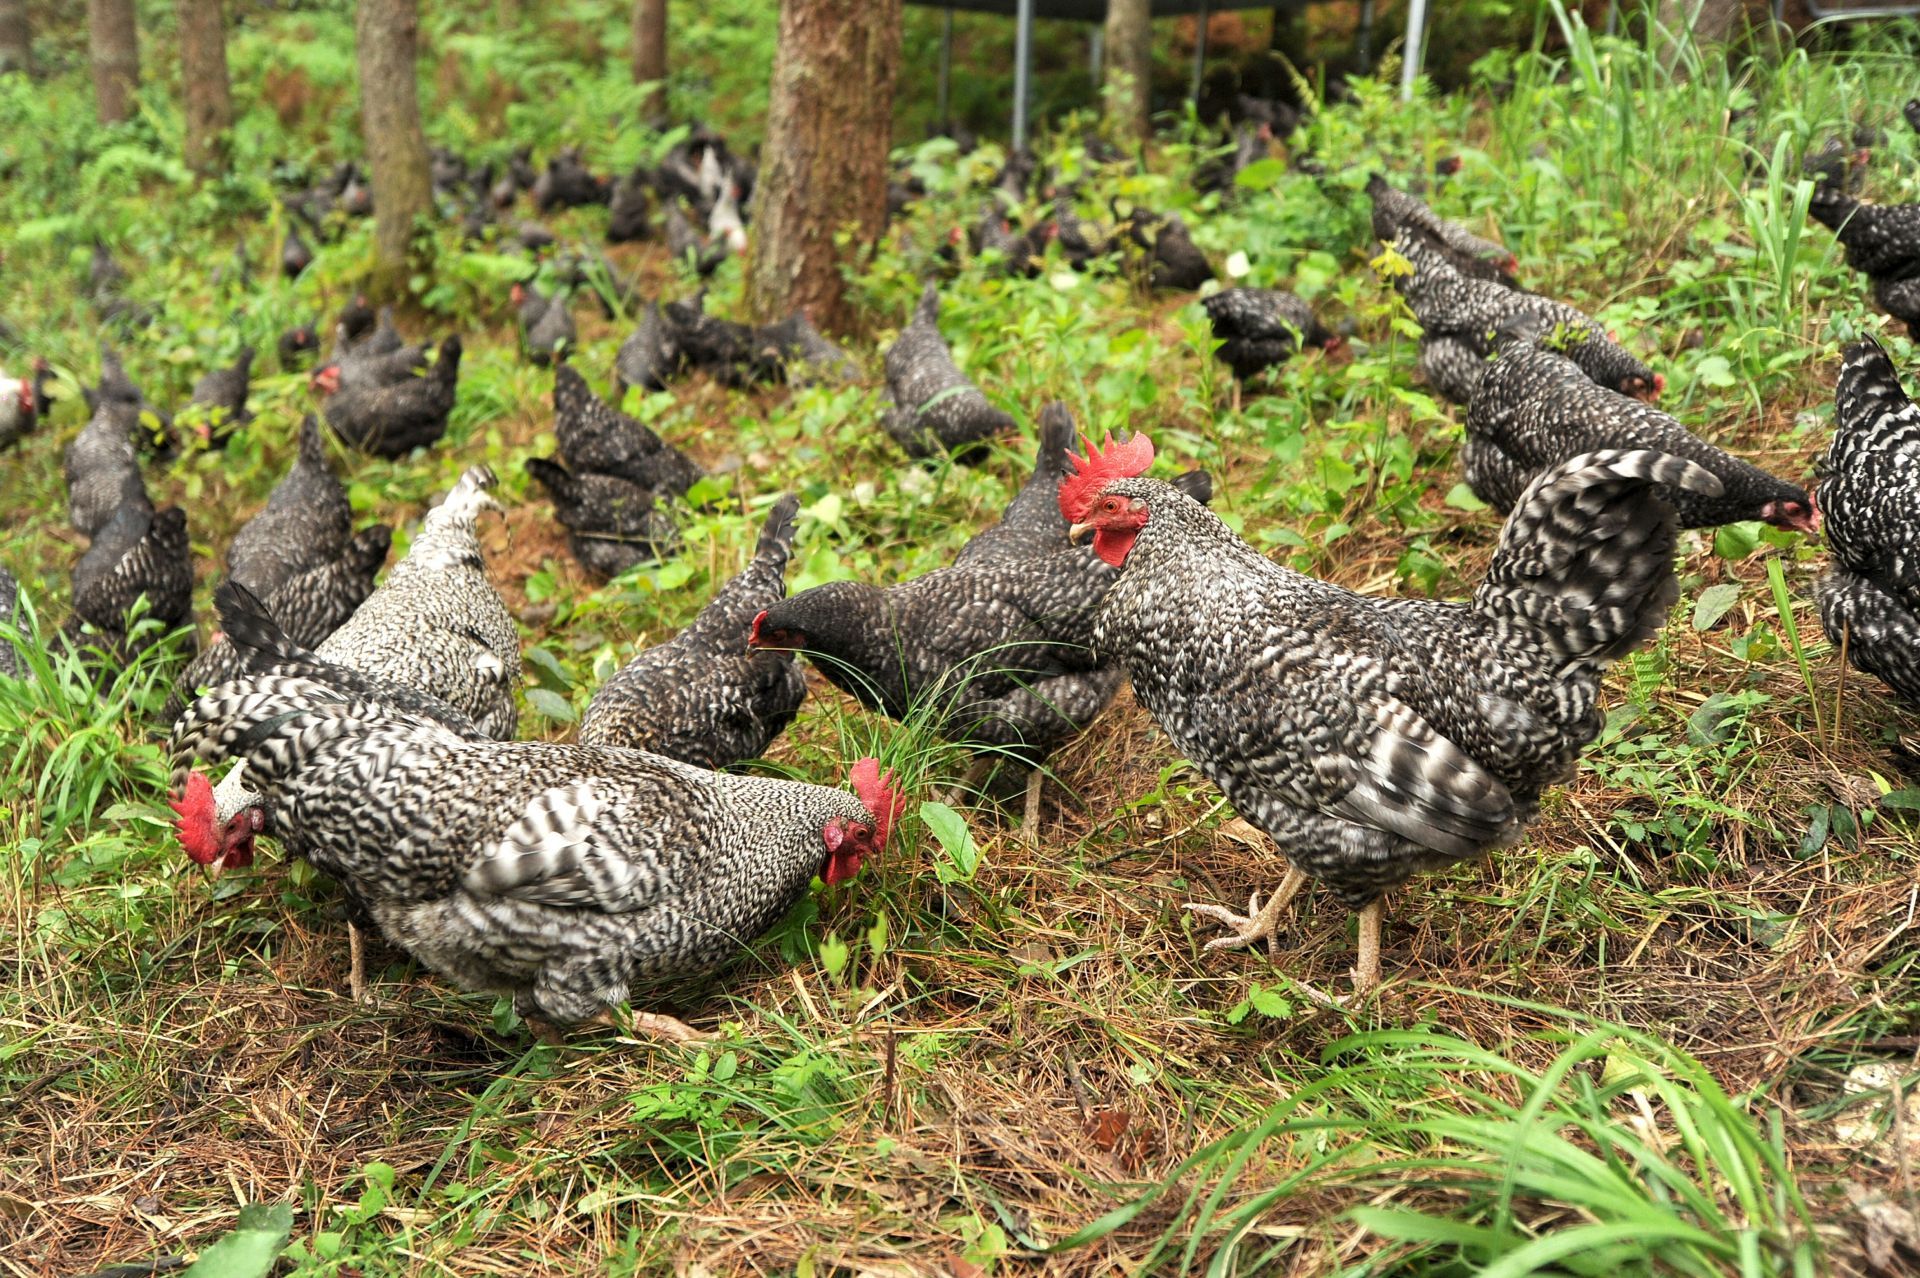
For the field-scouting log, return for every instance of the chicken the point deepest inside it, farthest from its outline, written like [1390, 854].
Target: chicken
[794, 350]
[1373, 739]
[295, 254]
[570, 878]
[995, 649]
[139, 553]
[721, 346]
[612, 523]
[1079, 239]
[1837, 164]
[628, 210]
[1019, 253]
[13, 661]
[1869, 595]
[1882, 242]
[649, 356]
[567, 184]
[685, 245]
[21, 403]
[1395, 211]
[1178, 262]
[595, 437]
[1911, 112]
[392, 421]
[219, 402]
[1534, 408]
[1458, 317]
[103, 474]
[546, 324]
[1261, 328]
[304, 525]
[151, 427]
[935, 407]
[706, 697]
[725, 224]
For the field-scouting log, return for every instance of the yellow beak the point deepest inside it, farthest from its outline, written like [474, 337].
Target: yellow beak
[1079, 533]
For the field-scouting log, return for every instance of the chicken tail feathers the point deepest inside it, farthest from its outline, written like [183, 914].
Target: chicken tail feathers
[1871, 410]
[776, 535]
[1586, 559]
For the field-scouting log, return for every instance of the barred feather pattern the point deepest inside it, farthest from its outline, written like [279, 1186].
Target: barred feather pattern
[1261, 328]
[936, 407]
[137, 554]
[1869, 595]
[1474, 256]
[704, 697]
[1882, 240]
[570, 878]
[599, 439]
[1377, 739]
[1535, 408]
[305, 524]
[103, 471]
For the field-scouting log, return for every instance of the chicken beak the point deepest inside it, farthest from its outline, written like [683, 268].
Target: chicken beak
[1079, 533]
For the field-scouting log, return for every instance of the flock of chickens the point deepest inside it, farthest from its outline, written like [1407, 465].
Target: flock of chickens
[371, 728]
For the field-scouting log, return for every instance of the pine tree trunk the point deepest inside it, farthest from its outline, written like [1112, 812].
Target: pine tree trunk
[203, 76]
[1129, 78]
[16, 37]
[650, 53]
[386, 34]
[113, 42]
[823, 170]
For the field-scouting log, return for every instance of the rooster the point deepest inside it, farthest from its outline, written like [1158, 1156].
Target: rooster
[393, 420]
[1374, 739]
[1534, 408]
[1869, 595]
[1458, 317]
[570, 878]
[1469, 254]
[1261, 328]
[706, 697]
[935, 407]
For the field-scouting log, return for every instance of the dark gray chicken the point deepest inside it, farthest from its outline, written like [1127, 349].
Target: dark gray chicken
[103, 473]
[1458, 317]
[936, 407]
[628, 211]
[706, 697]
[687, 246]
[300, 340]
[219, 403]
[1373, 739]
[722, 347]
[304, 525]
[546, 324]
[566, 184]
[612, 523]
[1869, 595]
[1394, 211]
[151, 426]
[1080, 240]
[795, 351]
[392, 421]
[1534, 408]
[138, 553]
[13, 662]
[1177, 262]
[649, 356]
[1883, 243]
[1261, 328]
[596, 438]
[295, 254]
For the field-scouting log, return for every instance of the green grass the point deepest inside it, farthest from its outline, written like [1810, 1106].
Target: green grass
[1620, 1047]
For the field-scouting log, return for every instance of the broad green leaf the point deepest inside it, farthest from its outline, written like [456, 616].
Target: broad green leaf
[551, 704]
[1714, 603]
[250, 1249]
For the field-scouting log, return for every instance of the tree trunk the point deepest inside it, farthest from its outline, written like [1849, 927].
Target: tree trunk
[203, 76]
[386, 33]
[1129, 78]
[113, 42]
[16, 37]
[823, 170]
[650, 54]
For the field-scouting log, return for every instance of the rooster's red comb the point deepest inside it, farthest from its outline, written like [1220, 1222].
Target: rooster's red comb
[198, 833]
[876, 791]
[1100, 467]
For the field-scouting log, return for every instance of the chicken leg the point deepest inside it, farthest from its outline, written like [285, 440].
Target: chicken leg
[1259, 922]
[1030, 818]
[1366, 968]
[356, 964]
[657, 1025]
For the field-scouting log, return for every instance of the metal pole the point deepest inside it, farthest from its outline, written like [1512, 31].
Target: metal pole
[1364, 36]
[1411, 56]
[1097, 54]
[946, 64]
[1199, 51]
[1022, 69]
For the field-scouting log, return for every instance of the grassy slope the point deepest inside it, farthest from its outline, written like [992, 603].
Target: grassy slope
[927, 1069]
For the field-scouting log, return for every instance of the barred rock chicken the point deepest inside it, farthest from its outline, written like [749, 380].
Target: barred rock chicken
[1178, 262]
[138, 553]
[629, 207]
[1458, 317]
[1882, 242]
[706, 697]
[1261, 328]
[571, 878]
[103, 474]
[1534, 408]
[13, 664]
[305, 523]
[794, 351]
[151, 426]
[594, 436]
[1373, 739]
[721, 346]
[392, 421]
[936, 408]
[612, 523]
[367, 356]
[546, 324]
[997, 645]
[649, 356]
[1477, 258]
[1869, 595]
[566, 184]
[21, 399]
[219, 402]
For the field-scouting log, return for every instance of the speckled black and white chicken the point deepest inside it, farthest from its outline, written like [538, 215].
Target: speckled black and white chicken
[1458, 317]
[1374, 739]
[596, 438]
[218, 405]
[102, 469]
[13, 662]
[1535, 408]
[1868, 497]
[1261, 328]
[705, 697]
[612, 523]
[649, 355]
[1472, 255]
[394, 419]
[547, 329]
[934, 406]
[570, 878]
[1882, 243]
[151, 427]
[139, 553]
[997, 646]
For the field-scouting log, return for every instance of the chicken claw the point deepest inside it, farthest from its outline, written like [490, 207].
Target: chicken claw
[1258, 922]
[657, 1025]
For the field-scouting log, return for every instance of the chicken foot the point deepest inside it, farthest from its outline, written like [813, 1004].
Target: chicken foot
[1030, 817]
[1259, 922]
[356, 965]
[657, 1025]
[1366, 968]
